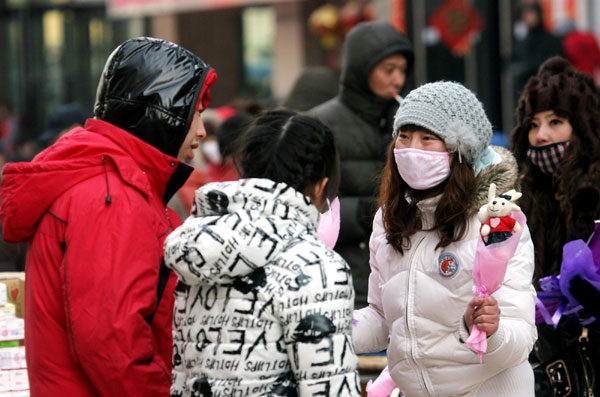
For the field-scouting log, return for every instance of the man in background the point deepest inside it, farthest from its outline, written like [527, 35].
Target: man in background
[377, 62]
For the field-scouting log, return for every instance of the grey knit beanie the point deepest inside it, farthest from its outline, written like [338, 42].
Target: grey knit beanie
[452, 112]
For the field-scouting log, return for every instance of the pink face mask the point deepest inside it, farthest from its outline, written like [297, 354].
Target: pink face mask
[329, 224]
[422, 169]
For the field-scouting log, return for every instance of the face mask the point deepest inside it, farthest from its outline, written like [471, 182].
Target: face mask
[547, 158]
[329, 224]
[422, 169]
[211, 150]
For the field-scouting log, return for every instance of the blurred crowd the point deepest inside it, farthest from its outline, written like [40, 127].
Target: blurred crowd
[407, 161]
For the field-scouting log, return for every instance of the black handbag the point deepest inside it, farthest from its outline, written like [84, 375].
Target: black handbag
[569, 358]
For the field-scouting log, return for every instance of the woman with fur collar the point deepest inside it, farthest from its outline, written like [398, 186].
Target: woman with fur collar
[557, 146]
[423, 244]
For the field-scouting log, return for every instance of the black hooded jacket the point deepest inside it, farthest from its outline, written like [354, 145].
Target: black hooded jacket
[362, 125]
[150, 88]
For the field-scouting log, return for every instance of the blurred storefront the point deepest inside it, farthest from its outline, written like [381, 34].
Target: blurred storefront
[472, 41]
[53, 51]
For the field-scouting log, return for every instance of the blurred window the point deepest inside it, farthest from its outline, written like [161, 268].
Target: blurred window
[258, 27]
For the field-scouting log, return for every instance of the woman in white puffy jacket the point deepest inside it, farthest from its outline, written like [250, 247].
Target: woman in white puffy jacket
[421, 304]
[263, 307]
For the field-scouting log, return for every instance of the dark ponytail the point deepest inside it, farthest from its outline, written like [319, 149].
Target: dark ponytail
[288, 147]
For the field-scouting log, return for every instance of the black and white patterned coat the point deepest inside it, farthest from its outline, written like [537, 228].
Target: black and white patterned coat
[263, 307]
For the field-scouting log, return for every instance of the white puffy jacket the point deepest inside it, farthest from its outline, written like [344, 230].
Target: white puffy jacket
[263, 307]
[417, 301]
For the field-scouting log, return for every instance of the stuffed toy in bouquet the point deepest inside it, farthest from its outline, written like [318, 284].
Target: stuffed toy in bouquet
[502, 224]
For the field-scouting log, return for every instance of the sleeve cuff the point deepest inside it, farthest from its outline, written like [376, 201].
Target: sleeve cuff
[495, 341]
[463, 332]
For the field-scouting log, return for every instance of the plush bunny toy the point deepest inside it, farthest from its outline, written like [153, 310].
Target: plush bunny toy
[496, 223]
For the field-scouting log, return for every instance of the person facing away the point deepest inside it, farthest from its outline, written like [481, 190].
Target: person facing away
[581, 48]
[557, 145]
[99, 304]
[377, 63]
[537, 45]
[421, 304]
[263, 306]
[60, 121]
[314, 86]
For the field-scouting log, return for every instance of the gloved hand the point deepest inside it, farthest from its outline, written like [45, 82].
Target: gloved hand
[587, 296]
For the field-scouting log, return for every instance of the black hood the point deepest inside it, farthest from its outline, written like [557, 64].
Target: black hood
[150, 88]
[367, 44]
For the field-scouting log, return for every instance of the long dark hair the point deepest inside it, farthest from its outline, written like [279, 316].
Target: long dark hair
[285, 146]
[401, 216]
[561, 207]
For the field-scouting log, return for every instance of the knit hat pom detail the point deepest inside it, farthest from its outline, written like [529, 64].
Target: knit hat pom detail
[452, 112]
[460, 137]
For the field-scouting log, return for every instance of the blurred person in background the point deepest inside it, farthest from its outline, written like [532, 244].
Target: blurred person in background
[12, 256]
[217, 150]
[315, 85]
[534, 44]
[181, 201]
[581, 48]
[213, 163]
[10, 128]
[377, 62]
[99, 300]
[60, 121]
[222, 168]
[557, 145]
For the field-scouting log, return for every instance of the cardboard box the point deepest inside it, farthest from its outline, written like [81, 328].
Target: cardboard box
[20, 393]
[15, 286]
[8, 310]
[18, 379]
[4, 381]
[13, 358]
[3, 295]
[12, 329]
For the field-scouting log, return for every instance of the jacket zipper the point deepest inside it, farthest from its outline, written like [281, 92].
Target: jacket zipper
[411, 354]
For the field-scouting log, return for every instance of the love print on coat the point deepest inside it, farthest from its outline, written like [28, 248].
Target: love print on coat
[263, 307]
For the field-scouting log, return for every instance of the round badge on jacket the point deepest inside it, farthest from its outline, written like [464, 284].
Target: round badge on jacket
[448, 264]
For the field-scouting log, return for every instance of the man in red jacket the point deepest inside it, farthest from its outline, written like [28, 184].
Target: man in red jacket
[99, 301]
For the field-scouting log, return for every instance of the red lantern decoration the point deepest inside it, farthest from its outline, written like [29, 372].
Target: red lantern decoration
[458, 24]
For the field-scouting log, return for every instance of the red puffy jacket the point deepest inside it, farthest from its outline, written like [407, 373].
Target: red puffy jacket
[91, 207]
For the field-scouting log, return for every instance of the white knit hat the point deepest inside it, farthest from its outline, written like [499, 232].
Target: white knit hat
[452, 112]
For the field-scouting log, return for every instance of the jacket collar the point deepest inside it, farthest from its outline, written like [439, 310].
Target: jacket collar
[368, 106]
[29, 188]
[160, 173]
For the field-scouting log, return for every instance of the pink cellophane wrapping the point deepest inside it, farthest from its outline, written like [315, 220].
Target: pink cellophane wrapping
[383, 386]
[489, 269]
